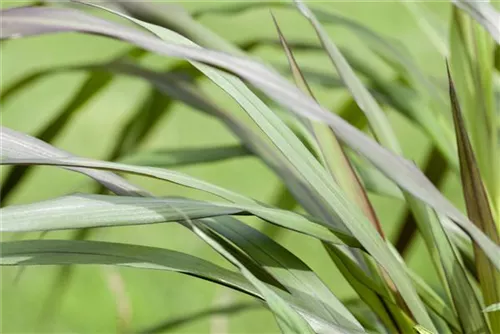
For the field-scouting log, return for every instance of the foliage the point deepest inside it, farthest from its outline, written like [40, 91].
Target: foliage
[327, 164]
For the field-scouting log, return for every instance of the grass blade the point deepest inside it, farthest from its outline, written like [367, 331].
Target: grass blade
[380, 127]
[338, 165]
[435, 302]
[478, 209]
[484, 13]
[331, 152]
[17, 145]
[63, 252]
[472, 52]
[300, 223]
[80, 211]
[287, 318]
[290, 271]
[492, 308]
[60, 252]
[181, 157]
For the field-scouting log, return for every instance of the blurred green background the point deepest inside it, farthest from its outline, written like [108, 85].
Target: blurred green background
[88, 305]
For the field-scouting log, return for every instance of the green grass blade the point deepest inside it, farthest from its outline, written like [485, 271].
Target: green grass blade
[287, 318]
[181, 157]
[463, 295]
[64, 252]
[492, 308]
[435, 302]
[472, 57]
[377, 119]
[299, 223]
[478, 209]
[81, 211]
[484, 13]
[295, 276]
[374, 295]
[18, 145]
[336, 162]
[432, 300]
[375, 115]
[331, 152]
[61, 252]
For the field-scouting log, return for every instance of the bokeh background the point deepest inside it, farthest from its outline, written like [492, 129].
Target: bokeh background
[88, 305]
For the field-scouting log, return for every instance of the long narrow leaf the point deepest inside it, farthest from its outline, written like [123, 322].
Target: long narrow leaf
[17, 145]
[331, 152]
[286, 268]
[176, 87]
[335, 160]
[182, 157]
[484, 13]
[62, 252]
[179, 178]
[478, 208]
[287, 318]
[81, 211]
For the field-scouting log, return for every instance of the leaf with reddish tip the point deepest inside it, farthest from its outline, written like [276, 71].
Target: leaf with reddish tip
[478, 207]
[331, 152]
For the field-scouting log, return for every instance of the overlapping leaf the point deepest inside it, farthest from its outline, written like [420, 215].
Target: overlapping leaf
[301, 224]
[18, 145]
[289, 270]
[478, 208]
[281, 91]
[287, 318]
[484, 13]
[406, 174]
[61, 252]
[81, 211]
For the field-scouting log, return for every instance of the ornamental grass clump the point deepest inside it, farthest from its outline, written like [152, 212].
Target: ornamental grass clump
[327, 164]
